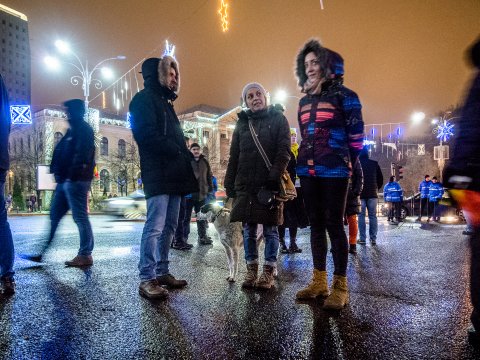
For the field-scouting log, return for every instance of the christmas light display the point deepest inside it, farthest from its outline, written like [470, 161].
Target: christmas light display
[444, 131]
[169, 50]
[223, 11]
[20, 114]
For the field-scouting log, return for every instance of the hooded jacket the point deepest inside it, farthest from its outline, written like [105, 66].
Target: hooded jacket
[423, 187]
[435, 192]
[465, 159]
[4, 126]
[392, 192]
[164, 157]
[330, 122]
[74, 156]
[247, 172]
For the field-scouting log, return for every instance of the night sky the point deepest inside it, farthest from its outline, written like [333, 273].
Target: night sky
[400, 56]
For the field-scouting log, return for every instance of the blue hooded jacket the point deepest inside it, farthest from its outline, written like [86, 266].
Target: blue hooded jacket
[435, 191]
[392, 192]
[423, 188]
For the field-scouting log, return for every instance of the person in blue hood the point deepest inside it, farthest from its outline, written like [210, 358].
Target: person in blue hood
[393, 194]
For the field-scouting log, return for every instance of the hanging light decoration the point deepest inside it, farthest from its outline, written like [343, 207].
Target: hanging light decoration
[223, 11]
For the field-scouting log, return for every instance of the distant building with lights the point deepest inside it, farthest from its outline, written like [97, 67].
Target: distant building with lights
[117, 160]
[15, 55]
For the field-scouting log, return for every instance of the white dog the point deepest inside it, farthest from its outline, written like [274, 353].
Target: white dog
[230, 234]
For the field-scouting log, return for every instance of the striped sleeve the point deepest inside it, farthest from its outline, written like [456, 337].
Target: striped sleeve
[353, 114]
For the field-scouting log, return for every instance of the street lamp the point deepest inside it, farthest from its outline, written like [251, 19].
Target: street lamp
[85, 77]
[281, 96]
[417, 117]
[444, 130]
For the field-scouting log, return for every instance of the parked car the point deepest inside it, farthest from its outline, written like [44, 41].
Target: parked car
[134, 206]
[411, 207]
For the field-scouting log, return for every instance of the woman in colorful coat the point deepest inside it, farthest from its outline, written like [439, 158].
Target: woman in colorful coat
[331, 126]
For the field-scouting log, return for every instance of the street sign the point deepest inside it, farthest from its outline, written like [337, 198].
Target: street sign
[421, 149]
[441, 152]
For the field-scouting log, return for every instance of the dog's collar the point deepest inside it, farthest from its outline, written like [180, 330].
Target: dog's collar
[226, 210]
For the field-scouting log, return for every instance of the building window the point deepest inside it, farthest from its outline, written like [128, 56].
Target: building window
[104, 147]
[223, 136]
[104, 180]
[56, 138]
[122, 148]
[206, 134]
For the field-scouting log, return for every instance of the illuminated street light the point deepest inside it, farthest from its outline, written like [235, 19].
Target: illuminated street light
[281, 96]
[85, 74]
[418, 117]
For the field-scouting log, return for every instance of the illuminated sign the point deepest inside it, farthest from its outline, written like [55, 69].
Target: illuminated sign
[128, 124]
[20, 114]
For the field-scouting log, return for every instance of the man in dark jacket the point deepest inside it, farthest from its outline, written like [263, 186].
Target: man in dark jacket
[372, 181]
[203, 174]
[463, 175]
[72, 165]
[6, 241]
[166, 171]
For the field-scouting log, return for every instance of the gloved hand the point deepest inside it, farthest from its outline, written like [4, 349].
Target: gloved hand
[230, 193]
[272, 185]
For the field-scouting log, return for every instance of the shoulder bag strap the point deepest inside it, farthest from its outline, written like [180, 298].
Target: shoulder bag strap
[259, 146]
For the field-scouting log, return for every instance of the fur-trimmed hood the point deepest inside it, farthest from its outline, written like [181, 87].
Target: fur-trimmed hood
[164, 66]
[314, 46]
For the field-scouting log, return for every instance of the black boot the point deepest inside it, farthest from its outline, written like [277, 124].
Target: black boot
[283, 247]
[293, 246]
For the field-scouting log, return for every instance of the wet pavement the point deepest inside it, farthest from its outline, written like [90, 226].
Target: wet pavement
[409, 300]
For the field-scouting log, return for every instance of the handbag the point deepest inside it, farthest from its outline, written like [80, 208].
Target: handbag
[287, 187]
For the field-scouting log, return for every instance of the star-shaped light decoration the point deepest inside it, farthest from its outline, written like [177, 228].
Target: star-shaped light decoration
[445, 131]
[169, 49]
[223, 11]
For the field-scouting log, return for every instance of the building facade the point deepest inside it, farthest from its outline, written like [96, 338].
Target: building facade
[15, 55]
[117, 160]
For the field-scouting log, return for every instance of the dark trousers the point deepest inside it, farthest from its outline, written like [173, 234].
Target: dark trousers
[395, 211]
[325, 204]
[424, 207]
[6, 241]
[291, 230]
[183, 226]
[433, 210]
[475, 277]
[201, 224]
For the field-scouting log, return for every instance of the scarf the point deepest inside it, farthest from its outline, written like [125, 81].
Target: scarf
[313, 87]
[294, 149]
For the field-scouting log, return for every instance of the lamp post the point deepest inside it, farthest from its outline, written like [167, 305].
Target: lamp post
[85, 76]
[444, 130]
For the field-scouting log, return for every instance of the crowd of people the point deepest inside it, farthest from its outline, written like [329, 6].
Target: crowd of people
[335, 179]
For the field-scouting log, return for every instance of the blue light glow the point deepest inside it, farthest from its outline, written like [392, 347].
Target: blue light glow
[20, 114]
[445, 131]
[128, 124]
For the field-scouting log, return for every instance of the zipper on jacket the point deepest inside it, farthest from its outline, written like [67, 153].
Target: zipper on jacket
[165, 125]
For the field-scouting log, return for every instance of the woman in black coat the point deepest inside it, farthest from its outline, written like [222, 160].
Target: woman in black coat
[247, 174]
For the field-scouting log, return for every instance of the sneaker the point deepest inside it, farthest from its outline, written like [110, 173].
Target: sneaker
[373, 241]
[294, 248]
[362, 241]
[151, 290]
[182, 246]
[353, 249]
[8, 285]
[34, 258]
[80, 260]
[169, 281]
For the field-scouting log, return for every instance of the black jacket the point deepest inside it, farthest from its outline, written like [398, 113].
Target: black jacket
[74, 156]
[4, 126]
[164, 157]
[247, 172]
[372, 177]
[202, 169]
[355, 187]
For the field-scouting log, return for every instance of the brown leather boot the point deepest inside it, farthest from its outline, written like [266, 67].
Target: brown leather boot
[152, 290]
[80, 260]
[250, 276]
[339, 296]
[317, 287]
[265, 281]
[169, 281]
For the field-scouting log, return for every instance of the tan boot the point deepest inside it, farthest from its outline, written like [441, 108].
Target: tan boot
[339, 296]
[318, 286]
[265, 281]
[250, 276]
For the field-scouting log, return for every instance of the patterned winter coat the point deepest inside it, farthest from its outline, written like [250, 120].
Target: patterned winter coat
[392, 192]
[332, 132]
[247, 172]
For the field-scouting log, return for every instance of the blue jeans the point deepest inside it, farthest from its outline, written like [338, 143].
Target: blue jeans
[371, 206]
[72, 195]
[250, 243]
[158, 232]
[6, 241]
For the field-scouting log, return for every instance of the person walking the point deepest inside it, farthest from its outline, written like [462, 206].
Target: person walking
[424, 187]
[7, 252]
[462, 175]
[435, 194]
[252, 184]
[372, 182]
[294, 215]
[203, 174]
[167, 174]
[354, 206]
[72, 165]
[331, 125]
[393, 195]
